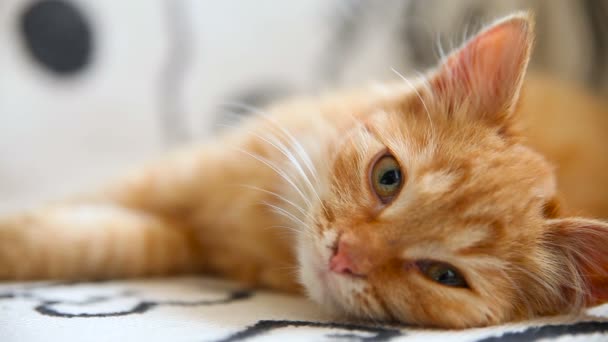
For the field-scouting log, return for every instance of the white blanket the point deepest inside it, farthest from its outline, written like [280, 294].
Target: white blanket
[203, 309]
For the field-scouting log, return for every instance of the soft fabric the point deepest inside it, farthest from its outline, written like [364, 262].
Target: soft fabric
[204, 309]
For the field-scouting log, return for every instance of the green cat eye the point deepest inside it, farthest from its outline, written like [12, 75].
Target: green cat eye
[442, 273]
[386, 178]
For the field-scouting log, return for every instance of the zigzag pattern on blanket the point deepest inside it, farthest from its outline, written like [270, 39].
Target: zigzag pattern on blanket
[198, 304]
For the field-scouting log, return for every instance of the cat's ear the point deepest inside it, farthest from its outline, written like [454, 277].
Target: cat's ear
[483, 78]
[583, 243]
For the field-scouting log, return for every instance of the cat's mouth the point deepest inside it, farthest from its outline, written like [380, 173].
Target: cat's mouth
[329, 288]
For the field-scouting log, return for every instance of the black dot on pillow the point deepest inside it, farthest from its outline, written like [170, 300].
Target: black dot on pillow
[57, 36]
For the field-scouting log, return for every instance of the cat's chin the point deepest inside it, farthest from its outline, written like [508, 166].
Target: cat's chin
[334, 292]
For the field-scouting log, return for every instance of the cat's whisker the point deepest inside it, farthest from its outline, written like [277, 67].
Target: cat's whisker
[226, 125]
[298, 229]
[305, 213]
[287, 229]
[287, 214]
[298, 147]
[439, 47]
[465, 31]
[300, 150]
[293, 160]
[305, 159]
[287, 268]
[281, 173]
[308, 163]
[293, 271]
[232, 120]
[287, 153]
[283, 150]
[303, 176]
[283, 235]
[415, 90]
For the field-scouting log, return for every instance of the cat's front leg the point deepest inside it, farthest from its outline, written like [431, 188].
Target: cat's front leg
[92, 240]
[134, 227]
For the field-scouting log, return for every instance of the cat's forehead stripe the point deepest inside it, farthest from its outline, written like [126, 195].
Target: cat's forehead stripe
[472, 236]
[437, 182]
[463, 241]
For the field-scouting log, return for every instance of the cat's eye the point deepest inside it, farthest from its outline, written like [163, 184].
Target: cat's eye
[442, 273]
[386, 177]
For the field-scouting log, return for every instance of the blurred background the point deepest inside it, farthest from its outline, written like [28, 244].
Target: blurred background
[89, 88]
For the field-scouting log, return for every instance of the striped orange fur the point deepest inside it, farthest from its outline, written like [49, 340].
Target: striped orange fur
[491, 166]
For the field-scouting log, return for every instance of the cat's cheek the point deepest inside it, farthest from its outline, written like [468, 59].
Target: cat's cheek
[314, 252]
[310, 266]
[308, 274]
[337, 294]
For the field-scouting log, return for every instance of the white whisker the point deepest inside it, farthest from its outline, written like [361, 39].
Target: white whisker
[281, 173]
[286, 214]
[426, 108]
[282, 198]
[286, 151]
[440, 50]
[298, 147]
[288, 228]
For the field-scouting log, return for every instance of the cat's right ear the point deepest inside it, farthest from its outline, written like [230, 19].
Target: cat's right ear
[583, 246]
[483, 78]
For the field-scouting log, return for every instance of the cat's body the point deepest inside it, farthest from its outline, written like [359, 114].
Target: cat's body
[570, 128]
[296, 182]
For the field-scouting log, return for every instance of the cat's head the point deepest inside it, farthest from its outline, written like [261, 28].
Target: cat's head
[434, 212]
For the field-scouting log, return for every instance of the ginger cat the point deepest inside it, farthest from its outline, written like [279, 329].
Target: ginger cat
[419, 202]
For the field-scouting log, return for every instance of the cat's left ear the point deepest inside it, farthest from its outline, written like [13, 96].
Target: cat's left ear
[484, 77]
[583, 243]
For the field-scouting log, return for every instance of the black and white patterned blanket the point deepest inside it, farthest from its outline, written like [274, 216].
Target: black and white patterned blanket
[203, 309]
[119, 81]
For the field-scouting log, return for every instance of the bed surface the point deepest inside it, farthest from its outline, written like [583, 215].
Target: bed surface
[204, 309]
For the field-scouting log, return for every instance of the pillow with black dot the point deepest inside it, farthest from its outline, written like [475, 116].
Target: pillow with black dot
[57, 35]
[80, 93]
[90, 88]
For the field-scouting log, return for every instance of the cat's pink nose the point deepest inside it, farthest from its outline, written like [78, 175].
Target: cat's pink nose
[343, 261]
